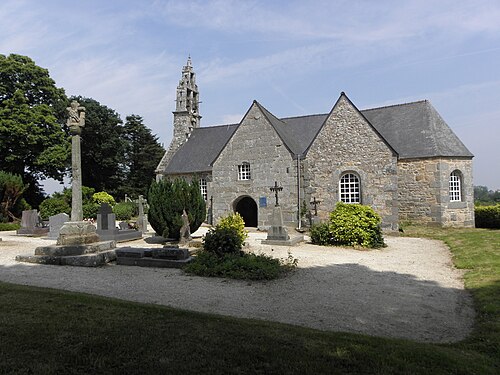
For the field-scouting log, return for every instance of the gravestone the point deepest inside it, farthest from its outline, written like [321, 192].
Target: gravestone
[168, 256]
[106, 226]
[55, 224]
[142, 220]
[31, 224]
[185, 231]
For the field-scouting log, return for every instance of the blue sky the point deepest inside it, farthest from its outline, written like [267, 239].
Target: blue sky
[294, 57]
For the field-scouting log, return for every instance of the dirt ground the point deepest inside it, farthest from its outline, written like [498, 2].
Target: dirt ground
[409, 289]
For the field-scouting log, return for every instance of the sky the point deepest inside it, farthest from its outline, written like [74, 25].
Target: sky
[294, 57]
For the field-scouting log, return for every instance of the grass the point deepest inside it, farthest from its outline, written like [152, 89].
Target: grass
[45, 331]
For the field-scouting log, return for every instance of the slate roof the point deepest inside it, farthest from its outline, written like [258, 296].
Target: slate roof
[413, 130]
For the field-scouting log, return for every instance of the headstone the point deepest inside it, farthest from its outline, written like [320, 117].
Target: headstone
[142, 220]
[123, 225]
[106, 219]
[55, 224]
[31, 224]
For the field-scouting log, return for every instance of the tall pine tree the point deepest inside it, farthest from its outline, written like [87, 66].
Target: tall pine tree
[142, 154]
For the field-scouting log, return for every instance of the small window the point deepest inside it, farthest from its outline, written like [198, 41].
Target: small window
[455, 187]
[203, 188]
[244, 171]
[349, 188]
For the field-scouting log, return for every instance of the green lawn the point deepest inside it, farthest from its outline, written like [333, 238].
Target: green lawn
[46, 331]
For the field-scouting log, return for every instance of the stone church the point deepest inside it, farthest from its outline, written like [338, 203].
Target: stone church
[402, 160]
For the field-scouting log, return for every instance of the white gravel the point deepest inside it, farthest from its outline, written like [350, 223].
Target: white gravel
[408, 290]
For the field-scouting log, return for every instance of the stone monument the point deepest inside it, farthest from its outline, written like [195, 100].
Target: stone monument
[278, 233]
[31, 224]
[55, 224]
[78, 243]
[185, 232]
[142, 220]
[106, 226]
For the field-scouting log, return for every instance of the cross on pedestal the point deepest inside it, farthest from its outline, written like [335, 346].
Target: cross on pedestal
[315, 203]
[276, 189]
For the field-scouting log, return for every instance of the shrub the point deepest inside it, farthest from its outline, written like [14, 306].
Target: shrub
[90, 210]
[124, 210]
[221, 241]
[236, 266]
[352, 225]
[488, 216]
[103, 197]
[54, 206]
[321, 235]
[167, 199]
[9, 226]
[235, 221]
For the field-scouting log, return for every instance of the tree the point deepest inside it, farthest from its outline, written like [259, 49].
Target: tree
[142, 155]
[167, 199]
[102, 147]
[33, 143]
[11, 190]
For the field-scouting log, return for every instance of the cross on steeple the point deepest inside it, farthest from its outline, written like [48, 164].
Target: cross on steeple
[276, 189]
[315, 203]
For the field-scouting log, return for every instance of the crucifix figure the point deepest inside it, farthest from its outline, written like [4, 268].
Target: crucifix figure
[276, 189]
[315, 203]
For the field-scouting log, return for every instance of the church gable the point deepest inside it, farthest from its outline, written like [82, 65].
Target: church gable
[349, 151]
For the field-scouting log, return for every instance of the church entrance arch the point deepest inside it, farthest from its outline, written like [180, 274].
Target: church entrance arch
[247, 208]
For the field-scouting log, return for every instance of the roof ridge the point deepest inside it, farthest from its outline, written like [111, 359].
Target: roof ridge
[396, 105]
[316, 114]
[215, 126]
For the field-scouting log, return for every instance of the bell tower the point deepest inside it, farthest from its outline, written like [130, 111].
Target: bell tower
[186, 114]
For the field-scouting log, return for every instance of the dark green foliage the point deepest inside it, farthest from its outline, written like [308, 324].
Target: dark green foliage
[351, 225]
[102, 148]
[143, 152]
[9, 226]
[485, 197]
[167, 199]
[321, 235]
[53, 206]
[11, 190]
[239, 266]
[124, 210]
[90, 210]
[32, 141]
[487, 216]
[222, 241]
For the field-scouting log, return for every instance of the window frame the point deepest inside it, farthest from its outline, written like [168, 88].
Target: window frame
[244, 172]
[203, 188]
[455, 186]
[350, 190]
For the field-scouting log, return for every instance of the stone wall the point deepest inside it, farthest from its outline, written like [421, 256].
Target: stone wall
[348, 143]
[257, 143]
[424, 192]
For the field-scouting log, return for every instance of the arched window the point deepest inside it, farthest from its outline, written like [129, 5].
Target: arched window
[349, 188]
[455, 186]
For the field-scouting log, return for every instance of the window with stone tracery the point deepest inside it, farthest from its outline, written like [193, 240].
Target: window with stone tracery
[244, 171]
[349, 188]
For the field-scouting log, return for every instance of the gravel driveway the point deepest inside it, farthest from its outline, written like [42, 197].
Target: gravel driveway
[408, 290]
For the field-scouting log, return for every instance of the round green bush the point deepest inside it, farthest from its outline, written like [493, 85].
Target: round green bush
[221, 241]
[124, 210]
[53, 206]
[235, 221]
[103, 197]
[351, 225]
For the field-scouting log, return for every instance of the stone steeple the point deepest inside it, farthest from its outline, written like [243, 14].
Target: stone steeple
[186, 114]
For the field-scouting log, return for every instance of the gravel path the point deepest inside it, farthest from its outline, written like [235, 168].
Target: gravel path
[408, 290]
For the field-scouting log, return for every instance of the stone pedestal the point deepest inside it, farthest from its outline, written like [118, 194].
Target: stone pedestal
[78, 245]
[278, 234]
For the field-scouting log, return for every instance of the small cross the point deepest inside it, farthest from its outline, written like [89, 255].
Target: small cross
[315, 203]
[276, 189]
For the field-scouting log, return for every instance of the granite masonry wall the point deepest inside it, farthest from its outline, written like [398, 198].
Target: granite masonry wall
[257, 143]
[424, 192]
[348, 143]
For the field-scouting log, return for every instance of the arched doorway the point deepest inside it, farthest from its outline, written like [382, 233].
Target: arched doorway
[247, 208]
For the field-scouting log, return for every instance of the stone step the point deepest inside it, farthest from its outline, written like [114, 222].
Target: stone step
[85, 260]
[71, 250]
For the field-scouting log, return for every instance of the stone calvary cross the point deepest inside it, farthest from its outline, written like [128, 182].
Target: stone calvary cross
[76, 121]
[276, 189]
